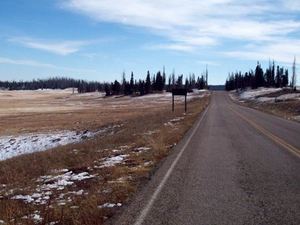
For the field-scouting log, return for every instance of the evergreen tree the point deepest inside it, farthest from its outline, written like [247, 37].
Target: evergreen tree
[285, 78]
[179, 81]
[116, 88]
[278, 78]
[187, 83]
[141, 87]
[173, 79]
[107, 89]
[159, 82]
[258, 79]
[259, 76]
[148, 83]
[131, 83]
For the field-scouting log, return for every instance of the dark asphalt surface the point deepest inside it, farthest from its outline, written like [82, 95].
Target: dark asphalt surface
[229, 173]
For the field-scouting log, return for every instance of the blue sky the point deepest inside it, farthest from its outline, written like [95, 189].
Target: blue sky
[99, 39]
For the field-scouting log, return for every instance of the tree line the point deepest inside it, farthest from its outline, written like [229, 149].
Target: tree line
[52, 83]
[274, 76]
[155, 83]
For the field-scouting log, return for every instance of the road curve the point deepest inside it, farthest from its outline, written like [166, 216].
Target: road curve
[236, 166]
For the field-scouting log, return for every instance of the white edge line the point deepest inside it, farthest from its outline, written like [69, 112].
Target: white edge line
[146, 209]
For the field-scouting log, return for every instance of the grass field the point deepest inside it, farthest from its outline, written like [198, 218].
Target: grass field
[88, 181]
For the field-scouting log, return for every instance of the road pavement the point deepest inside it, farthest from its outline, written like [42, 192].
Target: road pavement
[235, 166]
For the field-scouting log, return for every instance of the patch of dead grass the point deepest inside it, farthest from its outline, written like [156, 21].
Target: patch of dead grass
[286, 109]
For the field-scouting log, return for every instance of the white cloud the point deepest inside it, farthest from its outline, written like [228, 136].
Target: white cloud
[187, 18]
[33, 63]
[58, 47]
[292, 4]
[281, 51]
[172, 46]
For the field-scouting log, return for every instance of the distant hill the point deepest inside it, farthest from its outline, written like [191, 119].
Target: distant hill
[216, 87]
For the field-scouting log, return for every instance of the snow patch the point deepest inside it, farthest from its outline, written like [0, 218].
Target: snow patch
[54, 183]
[150, 132]
[11, 146]
[109, 205]
[254, 93]
[59, 182]
[112, 161]
[25, 198]
[266, 99]
[173, 122]
[286, 97]
[177, 119]
[141, 149]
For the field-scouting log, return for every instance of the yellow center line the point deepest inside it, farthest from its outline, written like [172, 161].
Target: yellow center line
[267, 133]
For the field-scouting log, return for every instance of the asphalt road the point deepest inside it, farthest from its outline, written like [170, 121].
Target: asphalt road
[236, 166]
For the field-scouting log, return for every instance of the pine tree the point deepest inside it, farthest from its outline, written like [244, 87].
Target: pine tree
[179, 81]
[272, 84]
[278, 78]
[123, 82]
[173, 79]
[131, 84]
[159, 83]
[107, 89]
[116, 88]
[293, 81]
[187, 83]
[259, 76]
[148, 83]
[285, 79]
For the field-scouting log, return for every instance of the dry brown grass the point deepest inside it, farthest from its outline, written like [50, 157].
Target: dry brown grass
[110, 184]
[288, 109]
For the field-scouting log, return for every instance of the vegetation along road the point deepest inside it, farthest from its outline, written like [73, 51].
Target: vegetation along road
[236, 166]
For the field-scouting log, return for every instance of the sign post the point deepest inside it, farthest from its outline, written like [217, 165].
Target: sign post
[182, 92]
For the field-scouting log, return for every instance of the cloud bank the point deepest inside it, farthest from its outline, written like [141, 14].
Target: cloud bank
[188, 25]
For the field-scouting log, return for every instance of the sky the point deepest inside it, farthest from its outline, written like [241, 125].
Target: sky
[99, 39]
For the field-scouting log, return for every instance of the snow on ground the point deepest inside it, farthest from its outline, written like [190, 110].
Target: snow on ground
[59, 182]
[141, 149]
[112, 161]
[109, 205]
[35, 217]
[281, 98]
[167, 96]
[286, 97]
[11, 146]
[49, 184]
[253, 93]
[174, 121]
[266, 99]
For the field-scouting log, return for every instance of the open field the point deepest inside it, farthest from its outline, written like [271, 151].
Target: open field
[277, 101]
[88, 180]
[36, 111]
